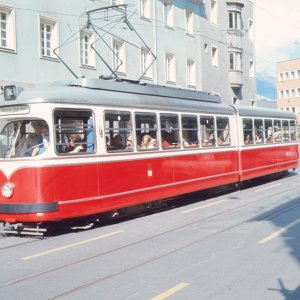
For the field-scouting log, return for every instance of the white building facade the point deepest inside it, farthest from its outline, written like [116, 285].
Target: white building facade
[204, 45]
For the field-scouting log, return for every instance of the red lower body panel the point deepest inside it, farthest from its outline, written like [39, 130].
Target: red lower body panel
[259, 162]
[60, 192]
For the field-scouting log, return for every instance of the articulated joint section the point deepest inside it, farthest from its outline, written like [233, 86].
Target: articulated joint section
[28, 208]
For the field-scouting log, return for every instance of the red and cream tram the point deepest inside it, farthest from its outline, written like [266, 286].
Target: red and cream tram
[91, 146]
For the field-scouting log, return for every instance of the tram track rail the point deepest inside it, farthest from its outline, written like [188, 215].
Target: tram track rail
[273, 214]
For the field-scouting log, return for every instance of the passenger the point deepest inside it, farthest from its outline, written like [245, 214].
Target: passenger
[220, 139]
[211, 138]
[147, 142]
[167, 140]
[259, 137]
[249, 139]
[32, 139]
[270, 139]
[74, 145]
[42, 142]
[117, 143]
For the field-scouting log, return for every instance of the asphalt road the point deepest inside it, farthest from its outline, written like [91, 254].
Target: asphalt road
[242, 244]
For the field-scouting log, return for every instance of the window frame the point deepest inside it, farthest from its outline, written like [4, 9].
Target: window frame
[168, 14]
[121, 69]
[223, 143]
[10, 29]
[214, 56]
[113, 129]
[191, 73]
[235, 60]
[247, 131]
[189, 21]
[251, 68]
[211, 140]
[146, 63]
[89, 54]
[234, 20]
[269, 139]
[170, 67]
[145, 9]
[54, 39]
[214, 12]
[259, 132]
[191, 144]
[84, 130]
[176, 129]
[147, 132]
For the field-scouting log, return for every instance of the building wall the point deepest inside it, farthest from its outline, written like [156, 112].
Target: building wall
[25, 64]
[288, 86]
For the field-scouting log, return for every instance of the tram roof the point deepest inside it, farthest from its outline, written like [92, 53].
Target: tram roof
[124, 95]
[250, 111]
[141, 96]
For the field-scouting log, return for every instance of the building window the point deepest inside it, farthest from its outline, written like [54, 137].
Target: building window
[206, 48]
[251, 68]
[170, 68]
[281, 76]
[168, 13]
[292, 74]
[235, 61]
[7, 28]
[48, 37]
[281, 95]
[251, 30]
[119, 56]
[234, 20]
[189, 20]
[145, 9]
[287, 75]
[287, 93]
[298, 92]
[214, 56]
[87, 54]
[293, 93]
[191, 73]
[146, 65]
[214, 11]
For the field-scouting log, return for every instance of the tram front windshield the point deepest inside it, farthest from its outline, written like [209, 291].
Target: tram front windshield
[23, 138]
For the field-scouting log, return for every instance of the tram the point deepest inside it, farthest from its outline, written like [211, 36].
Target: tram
[88, 147]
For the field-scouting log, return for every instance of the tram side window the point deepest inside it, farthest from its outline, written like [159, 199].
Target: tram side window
[248, 131]
[190, 131]
[146, 131]
[169, 126]
[269, 130]
[285, 131]
[223, 131]
[23, 138]
[277, 131]
[293, 131]
[207, 131]
[118, 131]
[259, 131]
[74, 131]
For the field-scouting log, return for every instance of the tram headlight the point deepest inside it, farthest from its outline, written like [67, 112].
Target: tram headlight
[7, 189]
